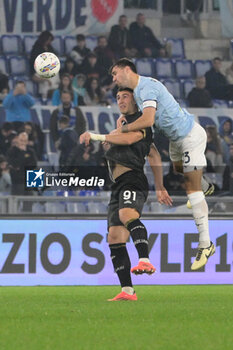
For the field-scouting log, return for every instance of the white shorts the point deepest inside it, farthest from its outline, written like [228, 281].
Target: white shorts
[190, 150]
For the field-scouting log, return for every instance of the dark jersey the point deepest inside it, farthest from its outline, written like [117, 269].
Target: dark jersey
[131, 156]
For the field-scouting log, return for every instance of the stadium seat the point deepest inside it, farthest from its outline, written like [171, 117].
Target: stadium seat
[174, 87]
[146, 208]
[58, 45]
[4, 65]
[11, 44]
[69, 43]
[18, 65]
[28, 42]
[220, 103]
[96, 208]
[54, 207]
[11, 83]
[188, 85]
[184, 69]
[164, 68]
[177, 47]
[91, 42]
[156, 207]
[145, 66]
[76, 208]
[38, 208]
[201, 67]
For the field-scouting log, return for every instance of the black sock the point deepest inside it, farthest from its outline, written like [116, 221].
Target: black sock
[121, 263]
[138, 233]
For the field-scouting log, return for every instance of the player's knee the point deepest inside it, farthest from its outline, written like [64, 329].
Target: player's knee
[127, 214]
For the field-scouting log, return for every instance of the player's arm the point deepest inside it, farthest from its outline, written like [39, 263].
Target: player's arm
[157, 169]
[145, 121]
[115, 138]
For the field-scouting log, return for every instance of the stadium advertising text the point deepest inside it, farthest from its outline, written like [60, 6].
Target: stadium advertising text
[59, 16]
[75, 252]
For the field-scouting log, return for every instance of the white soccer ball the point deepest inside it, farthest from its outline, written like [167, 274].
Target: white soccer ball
[47, 65]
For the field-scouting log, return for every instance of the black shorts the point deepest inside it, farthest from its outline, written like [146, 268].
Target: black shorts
[129, 191]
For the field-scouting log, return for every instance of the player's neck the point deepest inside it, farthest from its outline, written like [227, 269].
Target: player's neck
[135, 80]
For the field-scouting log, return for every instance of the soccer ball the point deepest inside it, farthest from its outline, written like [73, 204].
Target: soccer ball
[47, 65]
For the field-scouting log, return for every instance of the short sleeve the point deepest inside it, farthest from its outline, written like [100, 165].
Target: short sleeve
[149, 94]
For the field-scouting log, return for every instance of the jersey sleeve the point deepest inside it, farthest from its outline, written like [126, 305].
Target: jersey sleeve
[149, 94]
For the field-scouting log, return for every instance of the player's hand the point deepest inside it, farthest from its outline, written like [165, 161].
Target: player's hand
[163, 197]
[85, 138]
[115, 131]
[120, 120]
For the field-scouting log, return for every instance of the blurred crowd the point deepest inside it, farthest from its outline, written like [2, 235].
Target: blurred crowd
[84, 81]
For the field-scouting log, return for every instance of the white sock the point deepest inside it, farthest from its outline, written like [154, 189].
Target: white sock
[204, 184]
[144, 260]
[200, 215]
[128, 290]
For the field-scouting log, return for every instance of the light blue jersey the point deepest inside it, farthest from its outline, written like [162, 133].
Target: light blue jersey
[174, 121]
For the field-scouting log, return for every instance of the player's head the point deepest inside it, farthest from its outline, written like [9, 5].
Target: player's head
[122, 72]
[125, 101]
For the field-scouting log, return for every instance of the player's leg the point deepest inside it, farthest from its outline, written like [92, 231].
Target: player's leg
[131, 200]
[117, 238]
[206, 186]
[193, 158]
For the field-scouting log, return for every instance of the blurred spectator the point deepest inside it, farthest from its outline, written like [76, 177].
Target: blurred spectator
[214, 150]
[78, 86]
[199, 96]
[17, 104]
[216, 82]
[66, 142]
[119, 40]
[192, 11]
[95, 95]
[174, 182]
[91, 67]
[162, 144]
[80, 51]
[76, 118]
[82, 156]
[229, 74]
[104, 56]
[144, 40]
[226, 134]
[43, 44]
[5, 178]
[4, 87]
[228, 173]
[20, 156]
[70, 68]
[35, 138]
[7, 133]
[65, 84]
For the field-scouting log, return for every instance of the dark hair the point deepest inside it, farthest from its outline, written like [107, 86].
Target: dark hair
[44, 36]
[20, 82]
[122, 63]
[90, 91]
[7, 126]
[101, 37]
[217, 59]
[61, 88]
[80, 37]
[124, 89]
[122, 16]
[70, 92]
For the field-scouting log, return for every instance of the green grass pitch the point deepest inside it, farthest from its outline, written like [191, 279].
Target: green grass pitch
[164, 317]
